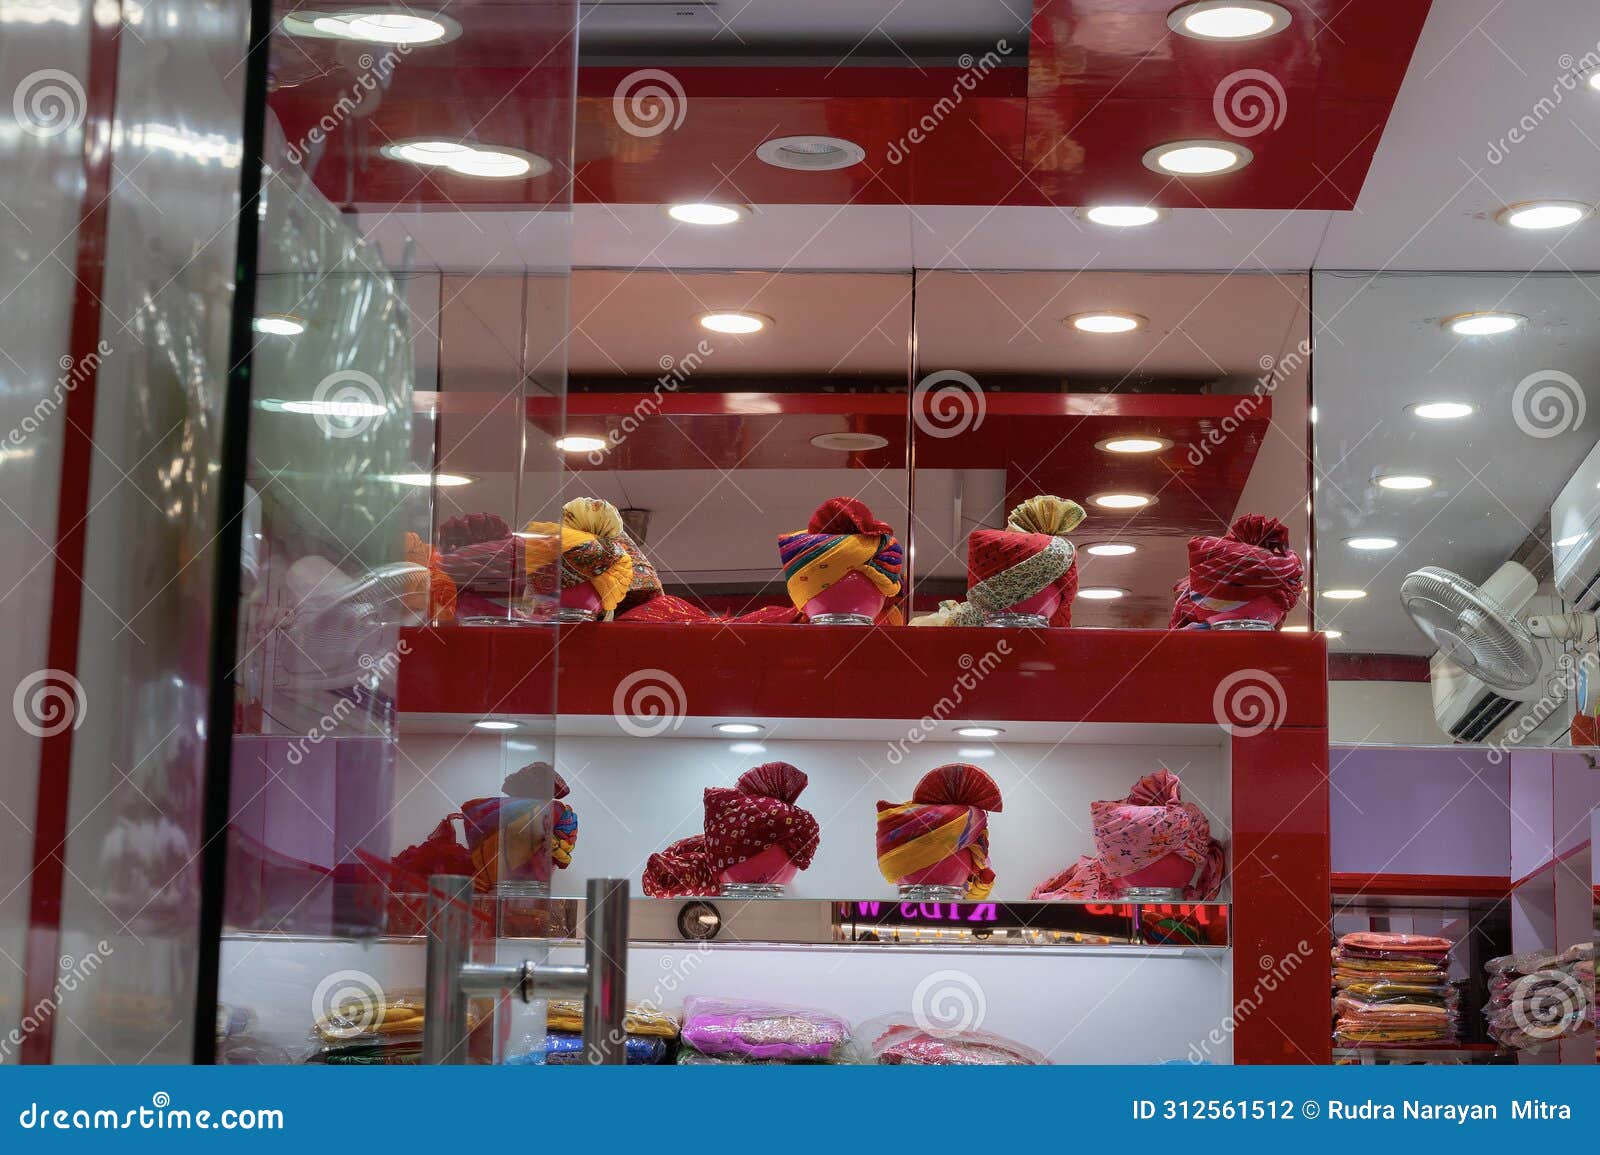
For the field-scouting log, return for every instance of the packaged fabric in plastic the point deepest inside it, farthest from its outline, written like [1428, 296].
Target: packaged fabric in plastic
[743, 1028]
[565, 1049]
[566, 1015]
[897, 1040]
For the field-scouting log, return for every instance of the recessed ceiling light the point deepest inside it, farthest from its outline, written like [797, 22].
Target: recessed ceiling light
[739, 728]
[1371, 543]
[849, 442]
[1111, 549]
[374, 26]
[1405, 481]
[1592, 78]
[1228, 19]
[493, 724]
[489, 161]
[1198, 157]
[746, 748]
[706, 213]
[980, 731]
[811, 153]
[443, 480]
[975, 751]
[1106, 321]
[1570, 539]
[1133, 444]
[1344, 595]
[1543, 214]
[279, 325]
[580, 443]
[1121, 500]
[345, 410]
[1482, 324]
[1122, 216]
[1443, 410]
[1295, 630]
[1331, 634]
[735, 321]
[1102, 593]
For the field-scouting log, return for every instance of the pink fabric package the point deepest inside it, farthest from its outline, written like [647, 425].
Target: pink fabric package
[742, 1028]
[901, 1041]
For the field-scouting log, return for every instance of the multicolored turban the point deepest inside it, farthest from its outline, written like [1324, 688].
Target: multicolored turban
[1249, 573]
[842, 538]
[1011, 565]
[759, 812]
[509, 837]
[429, 590]
[948, 815]
[1137, 832]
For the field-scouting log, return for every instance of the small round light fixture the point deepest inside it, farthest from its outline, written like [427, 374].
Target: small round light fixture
[811, 153]
[1111, 549]
[1544, 214]
[1139, 444]
[1122, 216]
[428, 480]
[1592, 78]
[492, 162]
[279, 325]
[707, 213]
[398, 26]
[493, 724]
[1485, 324]
[979, 731]
[1331, 634]
[735, 322]
[1343, 595]
[580, 443]
[1121, 500]
[1228, 19]
[1198, 157]
[1102, 593]
[849, 442]
[1442, 410]
[1107, 321]
[1371, 544]
[746, 748]
[739, 728]
[1405, 481]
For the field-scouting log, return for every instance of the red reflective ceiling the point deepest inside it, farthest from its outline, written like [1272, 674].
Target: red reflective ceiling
[1105, 81]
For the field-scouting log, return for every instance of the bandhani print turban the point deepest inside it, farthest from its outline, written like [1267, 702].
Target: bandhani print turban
[842, 538]
[1009, 566]
[1248, 573]
[508, 837]
[759, 812]
[948, 816]
[1149, 825]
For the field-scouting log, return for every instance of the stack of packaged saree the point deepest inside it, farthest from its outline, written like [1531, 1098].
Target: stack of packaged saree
[651, 1033]
[903, 1041]
[1392, 990]
[743, 1031]
[365, 1028]
[1539, 998]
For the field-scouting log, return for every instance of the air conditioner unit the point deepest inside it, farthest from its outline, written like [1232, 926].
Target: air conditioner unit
[1575, 536]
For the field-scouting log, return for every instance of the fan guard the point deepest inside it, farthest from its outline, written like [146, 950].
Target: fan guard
[1471, 629]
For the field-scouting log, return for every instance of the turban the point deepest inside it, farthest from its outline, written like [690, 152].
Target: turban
[509, 836]
[1151, 823]
[430, 589]
[947, 816]
[757, 813]
[842, 538]
[1249, 573]
[645, 600]
[1011, 565]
